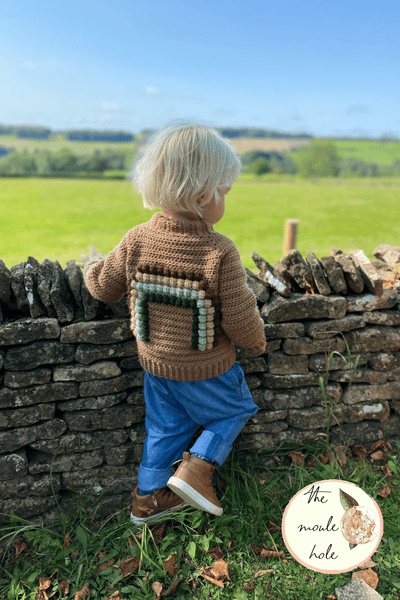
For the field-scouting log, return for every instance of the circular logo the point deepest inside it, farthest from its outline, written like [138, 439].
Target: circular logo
[332, 526]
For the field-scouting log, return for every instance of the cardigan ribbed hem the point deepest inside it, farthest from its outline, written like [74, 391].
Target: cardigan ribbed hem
[219, 365]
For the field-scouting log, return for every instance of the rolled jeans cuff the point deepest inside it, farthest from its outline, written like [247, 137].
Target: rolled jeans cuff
[153, 479]
[212, 446]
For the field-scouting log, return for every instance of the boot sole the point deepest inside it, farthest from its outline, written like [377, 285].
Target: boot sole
[185, 491]
[141, 521]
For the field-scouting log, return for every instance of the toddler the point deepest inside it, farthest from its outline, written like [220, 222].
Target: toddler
[189, 305]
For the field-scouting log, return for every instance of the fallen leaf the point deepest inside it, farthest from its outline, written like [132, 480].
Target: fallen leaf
[331, 597]
[169, 565]
[341, 455]
[64, 587]
[193, 582]
[273, 527]
[66, 539]
[138, 536]
[19, 547]
[145, 578]
[45, 582]
[386, 471]
[248, 588]
[311, 462]
[297, 457]
[115, 596]
[130, 541]
[172, 588]
[82, 593]
[219, 570]
[267, 588]
[259, 574]
[277, 460]
[378, 455]
[387, 446]
[74, 553]
[158, 532]
[212, 580]
[278, 496]
[369, 576]
[231, 545]
[267, 553]
[359, 451]
[216, 553]
[368, 564]
[323, 459]
[157, 588]
[105, 564]
[102, 554]
[128, 566]
[331, 458]
[385, 491]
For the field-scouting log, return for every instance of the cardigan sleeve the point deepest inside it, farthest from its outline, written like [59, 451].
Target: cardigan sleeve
[106, 279]
[241, 320]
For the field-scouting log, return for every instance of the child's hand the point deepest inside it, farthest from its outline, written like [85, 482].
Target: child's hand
[92, 256]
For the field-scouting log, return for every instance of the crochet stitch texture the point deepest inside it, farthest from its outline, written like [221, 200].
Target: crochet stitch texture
[188, 297]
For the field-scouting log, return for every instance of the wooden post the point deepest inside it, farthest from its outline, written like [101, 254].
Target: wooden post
[289, 242]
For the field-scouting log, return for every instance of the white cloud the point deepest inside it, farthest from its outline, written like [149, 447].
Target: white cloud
[152, 91]
[110, 106]
[28, 65]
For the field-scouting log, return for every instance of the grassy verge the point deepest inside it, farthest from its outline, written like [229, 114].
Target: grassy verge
[111, 557]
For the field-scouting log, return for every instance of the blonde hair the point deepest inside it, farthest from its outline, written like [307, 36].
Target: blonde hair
[185, 161]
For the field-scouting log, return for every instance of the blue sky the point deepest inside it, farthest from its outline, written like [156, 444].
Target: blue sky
[327, 68]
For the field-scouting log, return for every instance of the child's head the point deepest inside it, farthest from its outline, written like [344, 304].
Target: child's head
[182, 167]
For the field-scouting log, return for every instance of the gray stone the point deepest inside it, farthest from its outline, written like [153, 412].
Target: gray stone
[306, 346]
[271, 276]
[17, 438]
[13, 466]
[39, 462]
[30, 485]
[383, 361]
[81, 442]
[60, 295]
[318, 274]
[260, 422]
[91, 306]
[123, 415]
[111, 386]
[18, 287]
[390, 318]
[360, 376]
[320, 330]
[393, 375]
[25, 507]
[319, 362]
[359, 412]
[289, 381]
[303, 306]
[39, 353]
[92, 403]
[253, 381]
[301, 397]
[88, 353]
[310, 418]
[368, 393]
[369, 274]
[36, 306]
[15, 379]
[137, 397]
[26, 416]
[101, 332]
[120, 308]
[373, 339]
[357, 589]
[37, 394]
[253, 365]
[382, 249]
[45, 277]
[138, 433]
[107, 479]
[351, 273]
[281, 364]
[100, 370]
[5, 286]
[299, 270]
[369, 302]
[260, 289]
[334, 274]
[74, 277]
[130, 363]
[121, 455]
[382, 267]
[283, 330]
[24, 331]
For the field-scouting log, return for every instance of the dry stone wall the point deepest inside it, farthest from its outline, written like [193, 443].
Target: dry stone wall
[71, 385]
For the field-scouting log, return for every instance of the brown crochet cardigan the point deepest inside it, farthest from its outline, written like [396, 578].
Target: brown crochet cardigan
[187, 294]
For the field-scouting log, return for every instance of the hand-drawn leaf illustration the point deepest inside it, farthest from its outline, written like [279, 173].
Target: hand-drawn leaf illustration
[347, 501]
[352, 546]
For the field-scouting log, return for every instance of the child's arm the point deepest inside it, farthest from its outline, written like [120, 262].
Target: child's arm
[241, 319]
[105, 278]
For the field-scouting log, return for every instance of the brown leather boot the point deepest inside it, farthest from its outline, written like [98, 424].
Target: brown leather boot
[192, 481]
[152, 506]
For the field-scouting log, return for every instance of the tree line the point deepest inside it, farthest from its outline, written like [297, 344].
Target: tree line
[80, 135]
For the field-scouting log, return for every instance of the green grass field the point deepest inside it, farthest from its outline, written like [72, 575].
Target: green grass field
[59, 218]
[381, 153]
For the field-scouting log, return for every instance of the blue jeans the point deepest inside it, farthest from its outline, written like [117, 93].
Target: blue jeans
[176, 409]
